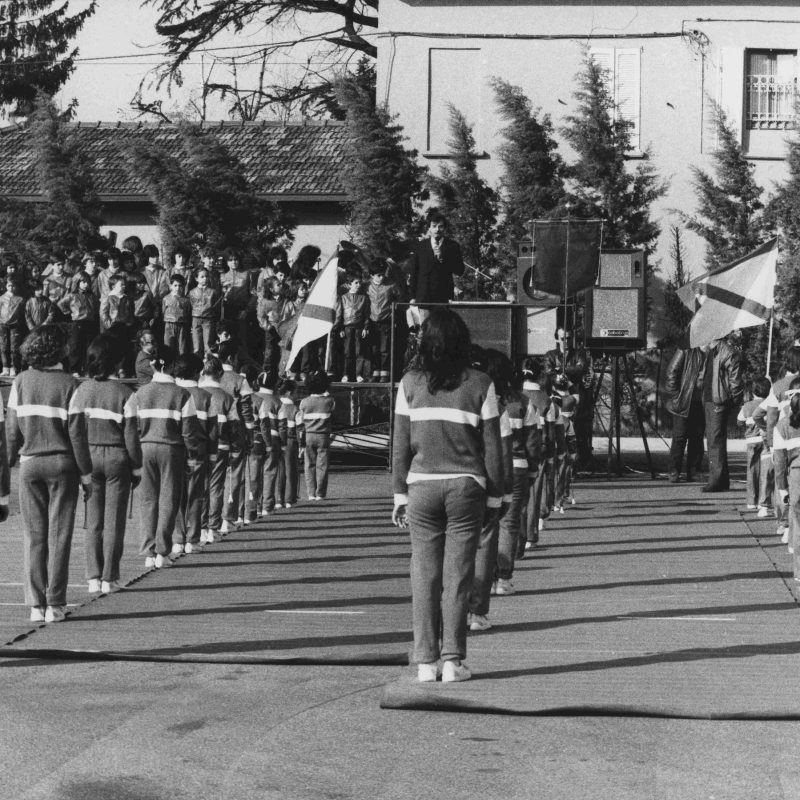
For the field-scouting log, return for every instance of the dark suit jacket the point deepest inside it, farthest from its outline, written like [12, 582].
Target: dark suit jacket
[431, 281]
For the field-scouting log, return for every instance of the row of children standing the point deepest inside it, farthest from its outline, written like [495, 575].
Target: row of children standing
[184, 305]
[175, 438]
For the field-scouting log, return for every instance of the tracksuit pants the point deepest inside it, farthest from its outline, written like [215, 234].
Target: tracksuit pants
[255, 480]
[215, 496]
[317, 447]
[204, 334]
[485, 568]
[445, 518]
[234, 507]
[48, 494]
[510, 534]
[190, 519]
[759, 478]
[717, 445]
[163, 476]
[541, 498]
[106, 512]
[287, 476]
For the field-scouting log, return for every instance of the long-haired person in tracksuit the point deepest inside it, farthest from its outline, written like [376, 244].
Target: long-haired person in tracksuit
[316, 413]
[786, 458]
[106, 421]
[266, 456]
[54, 459]
[448, 484]
[171, 442]
[223, 417]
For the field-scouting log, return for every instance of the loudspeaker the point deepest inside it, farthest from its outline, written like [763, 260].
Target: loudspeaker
[489, 324]
[615, 319]
[540, 325]
[622, 269]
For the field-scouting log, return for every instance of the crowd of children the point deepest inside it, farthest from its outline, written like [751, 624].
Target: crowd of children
[206, 452]
[191, 302]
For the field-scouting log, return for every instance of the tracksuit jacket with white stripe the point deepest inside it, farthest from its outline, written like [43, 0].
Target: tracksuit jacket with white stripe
[449, 434]
[785, 453]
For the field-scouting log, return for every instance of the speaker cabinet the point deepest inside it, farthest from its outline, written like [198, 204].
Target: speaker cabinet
[489, 324]
[539, 328]
[615, 319]
[622, 269]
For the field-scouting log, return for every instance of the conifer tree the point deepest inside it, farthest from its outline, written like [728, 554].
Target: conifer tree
[601, 185]
[677, 314]
[382, 179]
[68, 217]
[471, 207]
[202, 194]
[35, 53]
[729, 215]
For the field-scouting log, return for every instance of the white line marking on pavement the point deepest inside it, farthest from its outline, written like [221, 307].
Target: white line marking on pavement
[298, 611]
[686, 619]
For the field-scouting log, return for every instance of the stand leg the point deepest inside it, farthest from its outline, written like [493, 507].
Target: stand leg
[612, 415]
[618, 416]
[639, 419]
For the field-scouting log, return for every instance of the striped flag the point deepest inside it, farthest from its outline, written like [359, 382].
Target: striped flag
[739, 295]
[319, 312]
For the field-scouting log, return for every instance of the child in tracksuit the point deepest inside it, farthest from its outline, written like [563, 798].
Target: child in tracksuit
[786, 457]
[352, 324]
[223, 418]
[759, 475]
[116, 319]
[381, 296]
[241, 436]
[38, 309]
[53, 459]
[266, 454]
[566, 398]
[315, 414]
[188, 524]
[206, 303]
[83, 309]
[12, 327]
[105, 421]
[287, 429]
[542, 490]
[177, 315]
[171, 442]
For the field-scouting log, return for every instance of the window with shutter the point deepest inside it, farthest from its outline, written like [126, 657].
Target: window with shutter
[770, 89]
[622, 67]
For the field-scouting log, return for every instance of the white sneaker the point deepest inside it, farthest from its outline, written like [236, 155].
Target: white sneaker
[345, 379]
[784, 534]
[278, 505]
[570, 499]
[109, 587]
[360, 379]
[12, 373]
[452, 672]
[94, 586]
[162, 561]
[225, 527]
[189, 548]
[751, 507]
[203, 536]
[239, 524]
[427, 673]
[504, 587]
[477, 622]
[529, 545]
[493, 590]
[55, 613]
[4, 374]
[211, 536]
[287, 505]
[763, 511]
[541, 524]
[37, 614]
[177, 549]
[150, 562]
[560, 509]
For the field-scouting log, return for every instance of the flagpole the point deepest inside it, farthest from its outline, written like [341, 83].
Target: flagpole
[566, 284]
[769, 341]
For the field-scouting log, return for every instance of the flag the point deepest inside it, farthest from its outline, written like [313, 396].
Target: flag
[319, 312]
[566, 256]
[739, 295]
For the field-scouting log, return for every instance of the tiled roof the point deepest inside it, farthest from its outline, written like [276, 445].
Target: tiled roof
[283, 160]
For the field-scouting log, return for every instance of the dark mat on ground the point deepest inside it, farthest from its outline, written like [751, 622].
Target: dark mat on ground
[645, 598]
[324, 582]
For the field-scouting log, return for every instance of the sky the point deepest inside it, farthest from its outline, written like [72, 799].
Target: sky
[121, 35]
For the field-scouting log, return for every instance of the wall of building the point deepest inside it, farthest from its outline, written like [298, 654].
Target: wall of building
[679, 75]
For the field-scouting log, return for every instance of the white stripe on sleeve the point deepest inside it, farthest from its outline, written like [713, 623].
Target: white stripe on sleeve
[159, 413]
[51, 412]
[103, 413]
[435, 414]
[489, 409]
[401, 404]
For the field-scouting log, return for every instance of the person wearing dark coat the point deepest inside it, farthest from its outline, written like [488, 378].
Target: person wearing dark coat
[433, 263]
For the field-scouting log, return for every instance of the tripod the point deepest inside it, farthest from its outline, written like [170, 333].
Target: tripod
[614, 460]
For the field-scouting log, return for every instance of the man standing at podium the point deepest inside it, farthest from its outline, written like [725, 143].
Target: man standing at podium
[433, 263]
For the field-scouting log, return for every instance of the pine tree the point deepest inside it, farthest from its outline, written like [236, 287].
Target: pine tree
[729, 215]
[602, 187]
[202, 194]
[532, 185]
[382, 179]
[35, 53]
[69, 214]
[677, 314]
[471, 207]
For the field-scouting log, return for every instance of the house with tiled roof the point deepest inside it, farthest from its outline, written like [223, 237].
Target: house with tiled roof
[294, 164]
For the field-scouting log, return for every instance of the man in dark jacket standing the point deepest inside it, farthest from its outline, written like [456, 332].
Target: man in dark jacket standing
[434, 262]
[685, 403]
[722, 391]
